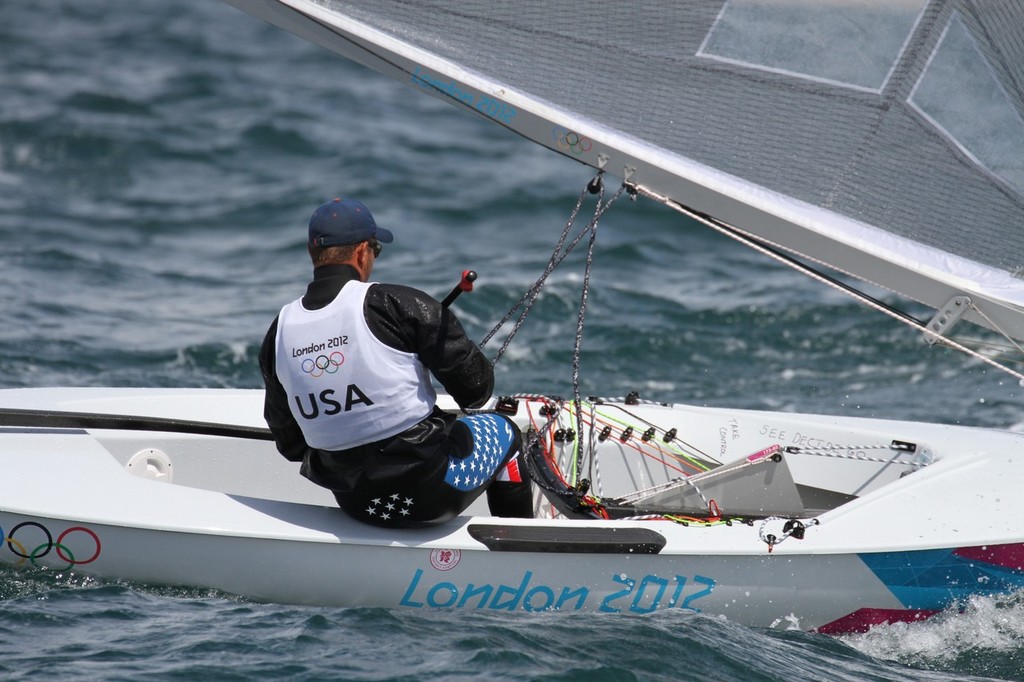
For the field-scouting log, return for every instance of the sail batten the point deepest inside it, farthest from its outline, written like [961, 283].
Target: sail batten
[884, 138]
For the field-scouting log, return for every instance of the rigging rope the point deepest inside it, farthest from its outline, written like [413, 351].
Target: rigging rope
[773, 251]
[527, 300]
[578, 343]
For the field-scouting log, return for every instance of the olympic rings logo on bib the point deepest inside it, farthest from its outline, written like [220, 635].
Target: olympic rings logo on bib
[323, 364]
[33, 545]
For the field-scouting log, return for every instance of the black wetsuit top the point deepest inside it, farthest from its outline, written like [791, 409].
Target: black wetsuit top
[410, 321]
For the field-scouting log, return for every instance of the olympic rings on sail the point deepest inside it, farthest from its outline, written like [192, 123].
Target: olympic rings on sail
[571, 141]
[323, 363]
[19, 546]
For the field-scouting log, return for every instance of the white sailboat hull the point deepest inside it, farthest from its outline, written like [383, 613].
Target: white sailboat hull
[231, 514]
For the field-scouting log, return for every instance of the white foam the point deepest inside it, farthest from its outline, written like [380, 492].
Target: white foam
[986, 625]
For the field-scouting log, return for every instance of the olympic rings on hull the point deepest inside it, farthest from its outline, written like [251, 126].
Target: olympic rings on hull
[24, 543]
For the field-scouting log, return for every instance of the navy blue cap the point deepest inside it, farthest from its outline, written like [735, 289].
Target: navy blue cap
[345, 221]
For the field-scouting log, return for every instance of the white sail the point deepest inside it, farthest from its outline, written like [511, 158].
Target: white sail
[882, 138]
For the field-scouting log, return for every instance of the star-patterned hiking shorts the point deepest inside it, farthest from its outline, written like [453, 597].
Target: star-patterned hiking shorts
[479, 449]
[493, 436]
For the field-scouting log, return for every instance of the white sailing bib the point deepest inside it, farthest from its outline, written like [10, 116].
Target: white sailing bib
[345, 387]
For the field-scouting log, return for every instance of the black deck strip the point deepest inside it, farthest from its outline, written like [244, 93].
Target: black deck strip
[574, 540]
[12, 416]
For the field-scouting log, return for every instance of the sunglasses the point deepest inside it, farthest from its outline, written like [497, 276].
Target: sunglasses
[376, 247]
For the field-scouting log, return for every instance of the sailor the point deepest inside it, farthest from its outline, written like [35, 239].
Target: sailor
[348, 390]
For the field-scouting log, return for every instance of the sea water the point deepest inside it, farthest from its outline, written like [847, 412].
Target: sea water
[158, 164]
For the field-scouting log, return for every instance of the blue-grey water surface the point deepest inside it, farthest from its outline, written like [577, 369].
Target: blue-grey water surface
[158, 164]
